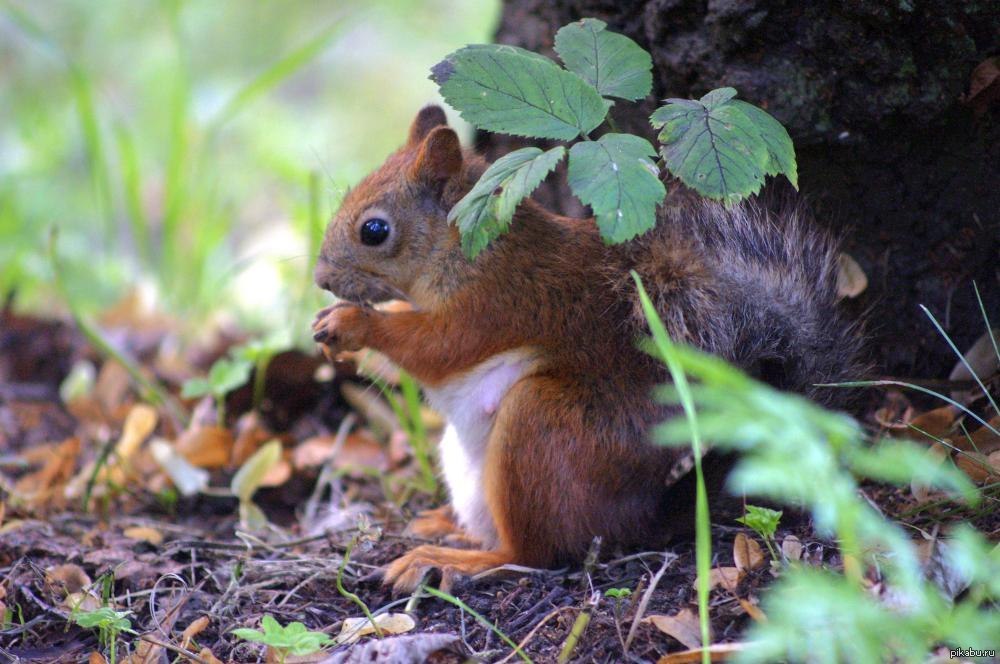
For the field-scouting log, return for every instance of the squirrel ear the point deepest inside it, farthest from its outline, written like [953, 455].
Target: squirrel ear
[428, 118]
[439, 157]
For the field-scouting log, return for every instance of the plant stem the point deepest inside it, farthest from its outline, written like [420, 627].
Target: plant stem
[348, 594]
[451, 599]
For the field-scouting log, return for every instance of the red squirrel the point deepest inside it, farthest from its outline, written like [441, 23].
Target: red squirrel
[530, 350]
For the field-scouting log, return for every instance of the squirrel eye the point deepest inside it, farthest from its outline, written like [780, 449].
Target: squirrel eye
[374, 231]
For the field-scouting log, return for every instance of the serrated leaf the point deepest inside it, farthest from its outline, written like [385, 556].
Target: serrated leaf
[761, 519]
[505, 89]
[612, 63]
[485, 212]
[720, 148]
[781, 151]
[617, 179]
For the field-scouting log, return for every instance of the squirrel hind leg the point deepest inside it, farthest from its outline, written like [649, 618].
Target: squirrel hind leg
[406, 572]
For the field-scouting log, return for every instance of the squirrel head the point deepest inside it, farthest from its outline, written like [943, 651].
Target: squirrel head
[391, 233]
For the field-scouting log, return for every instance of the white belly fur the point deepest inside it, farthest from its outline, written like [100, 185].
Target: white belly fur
[470, 402]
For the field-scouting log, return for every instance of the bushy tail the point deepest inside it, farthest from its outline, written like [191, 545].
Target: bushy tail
[755, 287]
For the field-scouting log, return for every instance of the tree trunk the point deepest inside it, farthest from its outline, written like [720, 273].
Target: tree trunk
[889, 156]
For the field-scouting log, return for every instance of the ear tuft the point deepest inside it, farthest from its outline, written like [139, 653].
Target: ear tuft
[429, 117]
[439, 157]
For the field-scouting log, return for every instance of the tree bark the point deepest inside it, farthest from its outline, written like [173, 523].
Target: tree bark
[872, 94]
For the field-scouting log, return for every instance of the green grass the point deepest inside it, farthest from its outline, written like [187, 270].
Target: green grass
[199, 147]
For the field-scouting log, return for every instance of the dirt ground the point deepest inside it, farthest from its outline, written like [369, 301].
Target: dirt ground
[173, 562]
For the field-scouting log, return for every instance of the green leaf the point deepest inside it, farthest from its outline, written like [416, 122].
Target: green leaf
[485, 212]
[252, 472]
[721, 147]
[617, 179]
[612, 63]
[505, 89]
[780, 150]
[762, 520]
[195, 387]
[249, 635]
[227, 375]
[293, 639]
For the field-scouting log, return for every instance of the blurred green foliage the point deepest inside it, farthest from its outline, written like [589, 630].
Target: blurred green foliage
[199, 147]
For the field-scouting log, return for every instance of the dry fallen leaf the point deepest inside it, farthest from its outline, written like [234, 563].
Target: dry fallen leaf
[251, 433]
[58, 468]
[358, 450]
[791, 548]
[208, 657]
[984, 86]
[936, 423]
[983, 440]
[145, 534]
[851, 279]
[747, 553]
[752, 610]
[682, 626]
[390, 623]
[406, 649]
[982, 357]
[96, 658]
[726, 577]
[718, 652]
[977, 466]
[66, 579]
[196, 627]
[206, 447]
[188, 479]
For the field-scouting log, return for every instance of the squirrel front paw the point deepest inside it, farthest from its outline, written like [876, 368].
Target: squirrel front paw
[342, 327]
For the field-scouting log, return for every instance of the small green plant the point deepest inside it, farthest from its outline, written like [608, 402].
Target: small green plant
[719, 146]
[795, 452]
[764, 522]
[294, 639]
[109, 625]
[226, 375]
[619, 595]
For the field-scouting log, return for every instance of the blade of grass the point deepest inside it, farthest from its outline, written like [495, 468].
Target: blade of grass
[451, 599]
[703, 541]
[912, 386]
[274, 75]
[986, 320]
[83, 97]
[417, 430]
[150, 388]
[175, 183]
[961, 358]
[132, 187]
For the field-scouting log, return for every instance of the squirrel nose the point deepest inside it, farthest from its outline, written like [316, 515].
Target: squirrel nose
[323, 275]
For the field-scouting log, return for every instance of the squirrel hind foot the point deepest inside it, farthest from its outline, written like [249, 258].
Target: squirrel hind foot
[406, 573]
[431, 524]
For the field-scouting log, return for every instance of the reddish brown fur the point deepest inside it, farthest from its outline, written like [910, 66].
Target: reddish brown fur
[568, 457]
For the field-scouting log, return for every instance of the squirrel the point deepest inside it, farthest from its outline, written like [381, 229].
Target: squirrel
[530, 350]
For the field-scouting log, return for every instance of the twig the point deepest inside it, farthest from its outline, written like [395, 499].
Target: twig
[534, 630]
[177, 649]
[640, 611]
